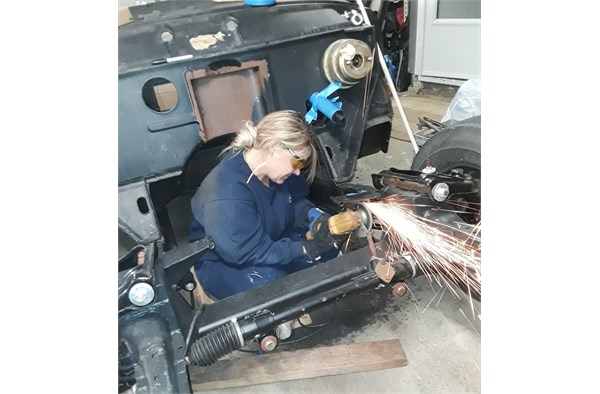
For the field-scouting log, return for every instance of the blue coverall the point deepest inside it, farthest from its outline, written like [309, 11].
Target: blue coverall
[256, 229]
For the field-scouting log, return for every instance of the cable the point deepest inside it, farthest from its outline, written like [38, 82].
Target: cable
[390, 83]
[312, 325]
[250, 351]
[196, 315]
[281, 343]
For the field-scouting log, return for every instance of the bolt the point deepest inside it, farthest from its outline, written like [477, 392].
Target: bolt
[231, 25]
[166, 36]
[440, 191]
[348, 51]
[428, 170]
[399, 289]
[269, 343]
[457, 172]
[190, 286]
[141, 294]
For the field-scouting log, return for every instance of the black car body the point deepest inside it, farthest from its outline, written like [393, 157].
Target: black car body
[190, 72]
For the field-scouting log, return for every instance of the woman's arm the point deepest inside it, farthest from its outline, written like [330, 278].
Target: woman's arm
[234, 226]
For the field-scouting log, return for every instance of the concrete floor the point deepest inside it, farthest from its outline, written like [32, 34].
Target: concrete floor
[440, 334]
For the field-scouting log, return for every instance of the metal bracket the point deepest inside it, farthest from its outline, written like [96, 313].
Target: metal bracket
[385, 271]
[137, 217]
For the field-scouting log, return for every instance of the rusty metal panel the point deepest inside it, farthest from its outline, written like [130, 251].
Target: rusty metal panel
[224, 99]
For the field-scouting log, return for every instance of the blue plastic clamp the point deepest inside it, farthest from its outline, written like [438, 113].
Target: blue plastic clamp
[320, 103]
[259, 3]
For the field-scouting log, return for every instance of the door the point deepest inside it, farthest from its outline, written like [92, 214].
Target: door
[445, 40]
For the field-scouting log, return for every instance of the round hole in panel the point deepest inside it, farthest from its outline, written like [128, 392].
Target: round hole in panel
[160, 94]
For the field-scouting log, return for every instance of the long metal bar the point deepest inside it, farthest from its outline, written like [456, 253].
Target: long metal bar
[390, 83]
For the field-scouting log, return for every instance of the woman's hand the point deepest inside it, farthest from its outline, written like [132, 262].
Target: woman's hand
[322, 241]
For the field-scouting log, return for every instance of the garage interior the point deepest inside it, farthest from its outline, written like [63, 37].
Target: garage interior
[538, 332]
[436, 336]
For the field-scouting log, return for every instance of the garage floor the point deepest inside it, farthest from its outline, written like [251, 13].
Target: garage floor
[440, 334]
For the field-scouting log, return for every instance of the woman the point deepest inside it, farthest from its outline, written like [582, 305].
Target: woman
[253, 206]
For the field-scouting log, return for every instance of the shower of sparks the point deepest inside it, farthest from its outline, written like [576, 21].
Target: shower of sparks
[445, 254]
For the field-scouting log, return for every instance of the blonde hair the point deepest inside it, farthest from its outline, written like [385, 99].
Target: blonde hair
[286, 128]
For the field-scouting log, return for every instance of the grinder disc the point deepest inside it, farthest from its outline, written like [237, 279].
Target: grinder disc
[366, 220]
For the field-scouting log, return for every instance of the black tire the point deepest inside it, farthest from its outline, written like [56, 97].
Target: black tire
[455, 147]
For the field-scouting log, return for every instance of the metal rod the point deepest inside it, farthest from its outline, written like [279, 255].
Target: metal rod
[391, 83]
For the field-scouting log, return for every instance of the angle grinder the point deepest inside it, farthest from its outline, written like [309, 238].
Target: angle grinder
[357, 221]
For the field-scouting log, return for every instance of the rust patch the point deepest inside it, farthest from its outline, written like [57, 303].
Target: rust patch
[226, 98]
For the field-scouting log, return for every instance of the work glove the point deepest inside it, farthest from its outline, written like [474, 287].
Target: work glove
[315, 218]
[322, 241]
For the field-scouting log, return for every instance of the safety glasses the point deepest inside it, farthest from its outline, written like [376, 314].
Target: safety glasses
[296, 162]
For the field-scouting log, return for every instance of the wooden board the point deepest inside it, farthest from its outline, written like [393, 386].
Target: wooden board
[298, 364]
